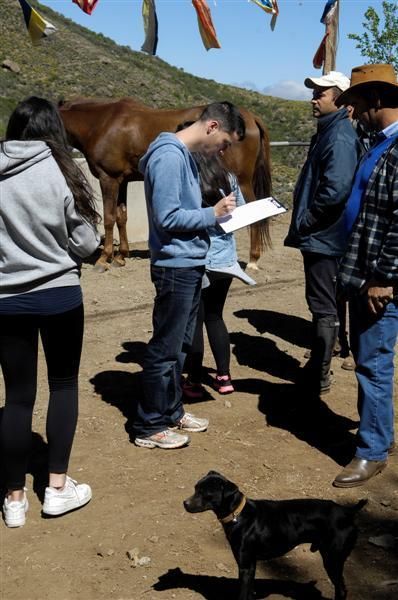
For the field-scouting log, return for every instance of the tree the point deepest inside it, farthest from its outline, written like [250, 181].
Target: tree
[379, 44]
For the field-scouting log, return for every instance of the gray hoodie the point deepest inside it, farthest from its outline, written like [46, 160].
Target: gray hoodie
[42, 237]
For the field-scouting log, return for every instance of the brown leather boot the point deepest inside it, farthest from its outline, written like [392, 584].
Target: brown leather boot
[358, 472]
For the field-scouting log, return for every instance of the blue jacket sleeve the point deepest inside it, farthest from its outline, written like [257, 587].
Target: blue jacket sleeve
[166, 176]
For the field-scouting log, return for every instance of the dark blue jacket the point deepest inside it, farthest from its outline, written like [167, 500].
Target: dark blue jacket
[323, 187]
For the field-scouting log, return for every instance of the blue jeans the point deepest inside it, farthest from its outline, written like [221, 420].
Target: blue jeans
[372, 342]
[174, 319]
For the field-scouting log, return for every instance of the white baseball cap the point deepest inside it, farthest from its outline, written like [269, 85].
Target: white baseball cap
[332, 79]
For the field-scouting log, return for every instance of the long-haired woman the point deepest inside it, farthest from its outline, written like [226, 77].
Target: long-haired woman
[47, 226]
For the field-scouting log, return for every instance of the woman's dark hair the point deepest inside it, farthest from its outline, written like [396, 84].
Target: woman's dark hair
[38, 119]
[213, 176]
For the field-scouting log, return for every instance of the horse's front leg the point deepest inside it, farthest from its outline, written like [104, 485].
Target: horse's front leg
[110, 190]
[121, 221]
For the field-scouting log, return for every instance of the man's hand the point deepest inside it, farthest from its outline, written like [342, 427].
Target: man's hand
[225, 206]
[378, 294]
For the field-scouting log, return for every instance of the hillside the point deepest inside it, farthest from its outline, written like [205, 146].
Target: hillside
[75, 61]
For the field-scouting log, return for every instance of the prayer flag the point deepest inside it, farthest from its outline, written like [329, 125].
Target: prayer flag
[87, 6]
[206, 27]
[328, 11]
[36, 25]
[320, 54]
[266, 5]
[271, 7]
[150, 26]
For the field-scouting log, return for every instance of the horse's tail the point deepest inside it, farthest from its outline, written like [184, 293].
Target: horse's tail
[262, 184]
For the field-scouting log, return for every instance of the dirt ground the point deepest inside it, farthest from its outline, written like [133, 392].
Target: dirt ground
[262, 437]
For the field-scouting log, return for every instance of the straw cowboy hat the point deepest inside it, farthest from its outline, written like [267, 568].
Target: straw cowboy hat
[369, 75]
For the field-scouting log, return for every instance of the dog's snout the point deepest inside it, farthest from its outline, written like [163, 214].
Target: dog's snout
[193, 504]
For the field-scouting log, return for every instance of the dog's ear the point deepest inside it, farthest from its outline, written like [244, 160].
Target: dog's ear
[230, 491]
[215, 473]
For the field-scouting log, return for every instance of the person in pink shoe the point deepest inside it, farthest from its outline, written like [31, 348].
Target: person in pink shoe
[222, 267]
[47, 226]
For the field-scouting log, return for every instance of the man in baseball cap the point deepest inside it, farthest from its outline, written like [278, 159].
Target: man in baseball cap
[316, 228]
[369, 268]
[332, 79]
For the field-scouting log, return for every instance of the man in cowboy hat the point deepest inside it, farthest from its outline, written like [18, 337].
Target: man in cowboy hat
[316, 229]
[369, 268]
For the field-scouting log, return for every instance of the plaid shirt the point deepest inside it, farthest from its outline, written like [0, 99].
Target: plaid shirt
[372, 250]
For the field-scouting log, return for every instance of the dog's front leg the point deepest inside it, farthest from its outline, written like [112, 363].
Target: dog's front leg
[246, 581]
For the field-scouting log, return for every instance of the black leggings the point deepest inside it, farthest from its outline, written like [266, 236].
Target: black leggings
[210, 313]
[61, 336]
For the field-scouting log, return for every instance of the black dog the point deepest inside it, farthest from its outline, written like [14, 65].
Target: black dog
[265, 529]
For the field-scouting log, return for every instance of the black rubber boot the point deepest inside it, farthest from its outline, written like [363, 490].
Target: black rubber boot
[315, 374]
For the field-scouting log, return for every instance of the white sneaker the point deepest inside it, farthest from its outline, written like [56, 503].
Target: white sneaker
[191, 423]
[73, 495]
[166, 439]
[14, 511]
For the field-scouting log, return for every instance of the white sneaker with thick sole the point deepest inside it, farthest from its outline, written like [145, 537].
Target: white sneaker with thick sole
[72, 496]
[166, 439]
[191, 423]
[14, 511]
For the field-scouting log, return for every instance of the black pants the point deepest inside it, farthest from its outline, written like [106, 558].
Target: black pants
[61, 336]
[320, 284]
[211, 314]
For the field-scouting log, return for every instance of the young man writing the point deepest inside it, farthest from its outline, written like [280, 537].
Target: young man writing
[178, 244]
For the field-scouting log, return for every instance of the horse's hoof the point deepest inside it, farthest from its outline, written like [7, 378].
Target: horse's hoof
[118, 262]
[252, 265]
[101, 267]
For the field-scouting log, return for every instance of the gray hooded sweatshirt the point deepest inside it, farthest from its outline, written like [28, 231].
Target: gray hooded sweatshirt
[42, 237]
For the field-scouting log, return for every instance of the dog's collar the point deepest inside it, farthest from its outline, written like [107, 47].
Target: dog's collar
[234, 514]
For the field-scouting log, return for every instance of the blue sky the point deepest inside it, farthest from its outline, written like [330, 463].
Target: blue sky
[251, 55]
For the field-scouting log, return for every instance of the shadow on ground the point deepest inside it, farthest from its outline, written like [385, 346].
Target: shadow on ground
[133, 353]
[214, 588]
[122, 390]
[291, 328]
[308, 418]
[263, 354]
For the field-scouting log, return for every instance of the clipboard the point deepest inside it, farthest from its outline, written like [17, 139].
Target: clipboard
[250, 213]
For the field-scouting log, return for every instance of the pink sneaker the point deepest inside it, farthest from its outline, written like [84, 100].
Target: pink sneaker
[223, 384]
[192, 390]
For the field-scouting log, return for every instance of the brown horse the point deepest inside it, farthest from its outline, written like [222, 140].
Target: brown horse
[114, 134]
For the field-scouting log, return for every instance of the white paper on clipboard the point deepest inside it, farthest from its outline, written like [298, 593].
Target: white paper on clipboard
[251, 213]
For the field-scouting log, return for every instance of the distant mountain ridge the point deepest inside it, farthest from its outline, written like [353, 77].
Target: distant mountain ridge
[78, 62]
